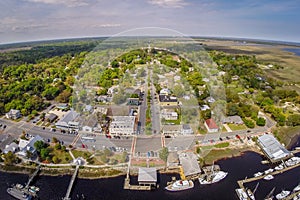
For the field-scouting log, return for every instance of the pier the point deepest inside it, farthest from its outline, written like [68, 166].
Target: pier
[67, 197]
[32, 176]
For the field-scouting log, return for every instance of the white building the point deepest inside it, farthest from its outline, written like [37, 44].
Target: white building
[122, 125]
[169, 114]
[13, 114]
[165, 91]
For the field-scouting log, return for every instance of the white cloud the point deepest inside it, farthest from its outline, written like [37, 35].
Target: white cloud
[69, 3]
[106, 25]
[169, 3]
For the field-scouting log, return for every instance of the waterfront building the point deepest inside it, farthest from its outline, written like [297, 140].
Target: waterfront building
[147, 176]
[189, 164]
[29, 146]
[272, 148]
[13, 147]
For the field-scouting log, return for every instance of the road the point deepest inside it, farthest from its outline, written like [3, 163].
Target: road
[143, 108]
[155, 109]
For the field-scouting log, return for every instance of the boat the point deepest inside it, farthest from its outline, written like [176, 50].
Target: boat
[251, 194]
[258, 174]
[279, 167]
[213, 178]
[297, 197]
[292, 161]
[297, 188]
[269, 171]
[270, 195]
[241, 194]
[268, 177]
[18, 193]
[180, 185]
[33, 189]
[282, 194]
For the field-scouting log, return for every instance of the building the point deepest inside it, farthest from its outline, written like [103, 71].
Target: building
[63, 106]
[122, 125]
[272, 149]
[166, 100]
[68, 121]
[172, 129]
[13, 114]
[90, 123]
[211, 125]
[133, 101]
[164, 91]
[51, 117]
[204, 107]
[169, 114]
[189, 164]
[13, 147]
[233, 120]
[29, 146]
[172, 160]
[147, 176]
[187, 130]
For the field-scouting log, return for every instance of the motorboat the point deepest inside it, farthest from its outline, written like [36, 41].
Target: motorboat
[282, 194]
[258, 174]
[292, 161]
[180, 185]
[242, 195]
[279, 167]
[269, 171]
[269, 177]
[297, 188]
[18, 193]
[213, 178]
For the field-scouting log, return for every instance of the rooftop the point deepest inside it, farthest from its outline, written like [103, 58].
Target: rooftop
[189, 163]
[167, 98]
[147, 175]
[211, 123]
[272, 148]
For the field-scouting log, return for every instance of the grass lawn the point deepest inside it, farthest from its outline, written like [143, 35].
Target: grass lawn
[286, 134]
[222, 145]
[83, 154]
[175, 122]
[64, 156]
[236, 127]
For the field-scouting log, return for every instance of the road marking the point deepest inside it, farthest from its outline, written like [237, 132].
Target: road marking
[162, 141]
[133, 145]
[75, 139]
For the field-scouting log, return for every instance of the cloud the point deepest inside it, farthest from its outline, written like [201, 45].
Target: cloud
[22, 28]
[68, 3]
[169, 3]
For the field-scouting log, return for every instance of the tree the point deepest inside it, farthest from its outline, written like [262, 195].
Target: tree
[54, 140]
[55, 160]
[45, 153]
[260, 121]
[293, 120]
[29, 154]
[10, 158]
[178, 90]
[163, 154]
[57, 146]
[39, 145]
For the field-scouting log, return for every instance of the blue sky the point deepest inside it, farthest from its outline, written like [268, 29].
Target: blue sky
[26, 20]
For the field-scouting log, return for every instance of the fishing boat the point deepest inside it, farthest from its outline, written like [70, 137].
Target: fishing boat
[180, 185]
[242, 195]
[258, 174]
[269, 177]
[213, 178]
[282, 194]
[19, 193]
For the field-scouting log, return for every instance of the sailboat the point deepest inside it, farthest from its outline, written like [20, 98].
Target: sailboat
[270, 195]
[251, 194]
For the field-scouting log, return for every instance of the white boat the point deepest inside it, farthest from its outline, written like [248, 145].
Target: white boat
[214, 178]
[180, 185]
[279, 167]
[18, 194]
[297, 197]
[297, 188]
[282, 194]
[268, 177]
[251, 194]
[241, 194]
[292, 161]
[269, 171]
[258, 174]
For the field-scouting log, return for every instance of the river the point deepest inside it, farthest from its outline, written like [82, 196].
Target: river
[54, 188]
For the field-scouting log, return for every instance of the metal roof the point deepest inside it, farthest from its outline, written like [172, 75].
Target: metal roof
[147, 175]
[189, 163]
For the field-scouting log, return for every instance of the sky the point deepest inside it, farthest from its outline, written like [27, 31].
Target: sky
[30, 20]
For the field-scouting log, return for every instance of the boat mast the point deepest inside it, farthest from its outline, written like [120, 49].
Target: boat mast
[271, 193]
[255, 188]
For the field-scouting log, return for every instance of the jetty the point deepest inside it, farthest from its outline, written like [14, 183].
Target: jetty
[67, 197]
[32, 177]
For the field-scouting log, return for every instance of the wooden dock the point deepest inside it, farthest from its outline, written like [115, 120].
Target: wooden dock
[67, 197]
[127, 186]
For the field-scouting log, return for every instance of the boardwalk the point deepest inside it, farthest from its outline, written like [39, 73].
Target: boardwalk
[67, 197]
[32, 177]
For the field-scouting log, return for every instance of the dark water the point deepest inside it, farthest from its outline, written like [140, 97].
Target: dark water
[111, 189]
[293, 50]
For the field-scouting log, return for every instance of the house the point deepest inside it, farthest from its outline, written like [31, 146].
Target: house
[187, 130]
[211, 125]
[88, 108]
[204, 107]
[147, 176]
[13, 147]
[165, 91]
[104, 98]
[90, 123]
[233, 120]
[113, 89]
[166, 100]
[172, 129]
[133, 101]
[62, 106]
[210, 99]
[68, 121]
[169, 114]
[122, 125]
[51, 117]
[30, 146]
[13, 114]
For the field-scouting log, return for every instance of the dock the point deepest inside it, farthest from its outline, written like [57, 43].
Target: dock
[67, 197]
[32, 177]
